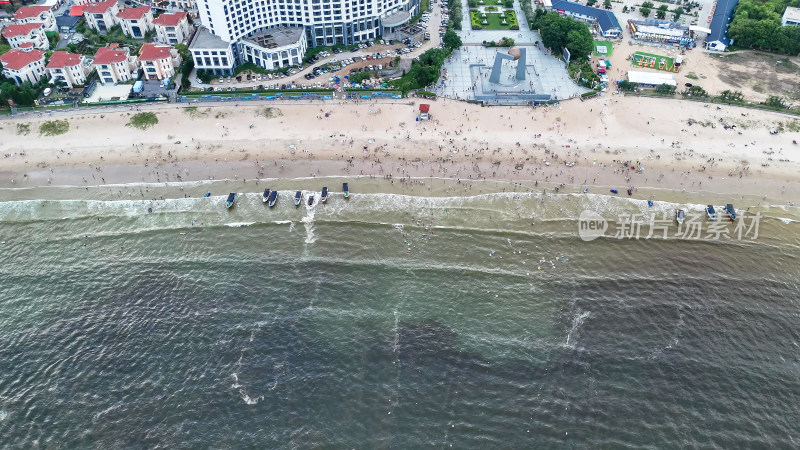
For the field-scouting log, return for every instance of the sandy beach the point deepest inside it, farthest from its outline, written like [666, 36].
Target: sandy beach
[613, 142]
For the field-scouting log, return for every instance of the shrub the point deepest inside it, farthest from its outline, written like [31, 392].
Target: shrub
[143, 120]
[53, 127]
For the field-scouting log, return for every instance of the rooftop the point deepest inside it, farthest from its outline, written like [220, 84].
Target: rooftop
[792, 14]
[17, 59]
[203, 39]
[111, 54]
[395, 19]
[605, 19]
[277, 37]
[133, 13]
[659, 27]
[22, 29]
[99, 7]
[721, 20]
[153, 52]
[60, 60]
[28, 12]
[170, 19]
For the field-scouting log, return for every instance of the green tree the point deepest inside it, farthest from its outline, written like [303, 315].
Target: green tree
[678, 13]
[661, 12]
[646, 8]
[695, 91]
[665, 89]
[775, 101]
[627, 85]
[607, 4]
[451, 40]
[590, 2]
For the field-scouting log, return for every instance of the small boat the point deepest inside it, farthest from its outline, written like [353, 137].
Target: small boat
[231, 200]
[265, 197]
[273, 197]
[208, 194]
[630, 191]
[298, 197]
[680, 215]
[614, 191]
[346, 190]
[324, 197]
[311, 200]
[712, 213]
[731, 212]
[650, 203]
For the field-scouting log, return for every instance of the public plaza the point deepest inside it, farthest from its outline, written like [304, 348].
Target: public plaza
[467, 72]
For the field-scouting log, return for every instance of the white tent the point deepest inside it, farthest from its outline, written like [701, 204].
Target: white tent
[651, 78]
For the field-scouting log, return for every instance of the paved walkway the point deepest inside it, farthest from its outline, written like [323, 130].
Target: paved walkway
[463, 71]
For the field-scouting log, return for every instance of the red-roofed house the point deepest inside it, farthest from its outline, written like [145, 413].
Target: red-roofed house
[36, 14]
[136, 21]
[67, 67]
[159, 61]
[172, 28]
[114, 64]
[33, 32]
[101, 15]
[23, 65]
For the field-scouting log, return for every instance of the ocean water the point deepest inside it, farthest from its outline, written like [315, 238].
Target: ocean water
[387, 320]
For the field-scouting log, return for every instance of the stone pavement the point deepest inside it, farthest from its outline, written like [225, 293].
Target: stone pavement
[463, 71]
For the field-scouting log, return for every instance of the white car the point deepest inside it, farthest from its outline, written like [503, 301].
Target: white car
[221, 80]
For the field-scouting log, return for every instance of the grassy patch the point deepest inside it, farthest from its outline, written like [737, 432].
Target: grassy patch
[220, 115]
[608, 46]
[269, 112]
[53, 127]
[494, 21]
[195, 113]
[143, 120]
[23, 129]
[692, 76]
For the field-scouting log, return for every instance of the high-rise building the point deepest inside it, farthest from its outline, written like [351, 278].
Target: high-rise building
[276, 33]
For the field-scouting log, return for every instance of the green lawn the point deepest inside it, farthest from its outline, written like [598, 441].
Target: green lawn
[495, 21]
[607, 44]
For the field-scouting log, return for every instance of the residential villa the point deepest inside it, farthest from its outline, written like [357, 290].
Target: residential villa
[158, 61]
[36, 14]
[67, 67]
[101, 16]
[114, 64]
[23, 65]
[136, 22]
[172, 28]
[18, 35]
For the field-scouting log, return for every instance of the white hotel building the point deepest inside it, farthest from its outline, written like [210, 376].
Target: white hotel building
[276, 33]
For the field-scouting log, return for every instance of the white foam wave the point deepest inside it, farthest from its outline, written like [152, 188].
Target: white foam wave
[577, 321]
[239, 224]
[786, 220]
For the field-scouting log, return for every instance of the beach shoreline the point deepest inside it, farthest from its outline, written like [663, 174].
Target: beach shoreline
[601, 144]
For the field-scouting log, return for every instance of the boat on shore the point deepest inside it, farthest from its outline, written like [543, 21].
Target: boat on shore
[712, 213]
[265, 197]
[231, 200]
[311, 200]
[324, 197]
[680, 216]
[298, 197]
[731, 212]
[346, 190]
[273, 197]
